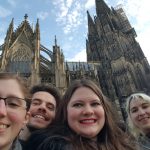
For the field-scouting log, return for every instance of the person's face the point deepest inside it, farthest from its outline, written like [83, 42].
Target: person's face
[140, 114]
[11, 119]
[85, 113]
[42, 109]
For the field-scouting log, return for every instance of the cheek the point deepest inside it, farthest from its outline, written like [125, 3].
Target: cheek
[72, 116]
[17, 118]
[134, 117]
[100, 112]
[32, 109]
[52, 114]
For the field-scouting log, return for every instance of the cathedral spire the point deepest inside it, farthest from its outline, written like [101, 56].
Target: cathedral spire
[91, 25]
[37, 30]
[101, 7]
[55, 41]
[10, 29]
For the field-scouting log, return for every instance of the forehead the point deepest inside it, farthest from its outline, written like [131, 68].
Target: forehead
[137, 102]
[44, 96]
[11, 87]
[84, 93]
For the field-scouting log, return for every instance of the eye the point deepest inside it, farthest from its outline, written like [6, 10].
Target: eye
[35, 102]
[94, 104]
[13, 105]
[77, 105]
[144, 106]
[51, 107]
[134, 110]
[11, 102]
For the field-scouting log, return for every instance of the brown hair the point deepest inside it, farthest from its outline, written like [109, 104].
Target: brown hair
[111, 137]
[49, 89]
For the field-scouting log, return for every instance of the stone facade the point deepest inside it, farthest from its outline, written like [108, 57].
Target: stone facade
[114, 57]
[122, 67]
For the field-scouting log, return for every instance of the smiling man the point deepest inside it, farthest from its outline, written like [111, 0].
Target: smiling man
[45, 100]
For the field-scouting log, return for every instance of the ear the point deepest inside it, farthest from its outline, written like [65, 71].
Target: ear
[27, 117]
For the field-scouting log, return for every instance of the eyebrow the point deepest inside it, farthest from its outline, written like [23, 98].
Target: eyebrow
[38, 99]
[13, 95]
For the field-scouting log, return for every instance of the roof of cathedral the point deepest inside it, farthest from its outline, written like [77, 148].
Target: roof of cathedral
[76, 66]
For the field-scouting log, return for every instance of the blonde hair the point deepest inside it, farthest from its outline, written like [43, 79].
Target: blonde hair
[133, 129]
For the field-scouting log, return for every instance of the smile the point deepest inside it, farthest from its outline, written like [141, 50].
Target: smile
[88, 121]
[39, 116]
[4, 126]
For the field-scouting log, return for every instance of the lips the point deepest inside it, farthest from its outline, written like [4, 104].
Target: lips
[144, 119]
[88, 121]
[3, 127]
[40, 116]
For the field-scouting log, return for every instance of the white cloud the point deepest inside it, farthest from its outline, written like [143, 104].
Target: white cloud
[4, 12]
[42, 15]
[69, 14]
[69, 3]
[89, 4]
[81, 56]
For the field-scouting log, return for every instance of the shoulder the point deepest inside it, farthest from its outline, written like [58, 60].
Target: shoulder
[144, 142]
[17, 145]
[54, 143]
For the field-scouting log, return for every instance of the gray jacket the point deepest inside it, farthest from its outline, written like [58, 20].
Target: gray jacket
[144, 143]
[16, 145]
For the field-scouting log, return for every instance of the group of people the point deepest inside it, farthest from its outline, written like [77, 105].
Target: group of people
[82, 119]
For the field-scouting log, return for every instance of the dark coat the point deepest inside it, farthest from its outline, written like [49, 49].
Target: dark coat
[54, 143]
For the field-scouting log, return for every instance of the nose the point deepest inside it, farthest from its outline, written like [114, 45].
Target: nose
[141, 112]
[42, 107]
[88, 110]
[3, 109]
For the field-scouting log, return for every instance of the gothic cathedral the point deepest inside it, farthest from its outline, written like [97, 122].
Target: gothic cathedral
[115, 59]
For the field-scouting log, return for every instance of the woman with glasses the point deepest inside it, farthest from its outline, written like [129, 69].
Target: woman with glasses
[13, 110]
[138, 110]
[85, 121]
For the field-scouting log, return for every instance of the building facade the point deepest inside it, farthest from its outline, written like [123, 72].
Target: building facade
[115, 59]
[111, 45]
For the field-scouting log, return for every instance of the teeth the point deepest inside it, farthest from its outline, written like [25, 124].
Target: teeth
[2, 126]
[39, 116]
[88, 121]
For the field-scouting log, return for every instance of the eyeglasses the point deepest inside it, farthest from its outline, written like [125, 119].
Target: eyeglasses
[14, 103]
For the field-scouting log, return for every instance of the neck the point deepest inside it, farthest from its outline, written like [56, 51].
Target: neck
[6, 147]
[31, 128]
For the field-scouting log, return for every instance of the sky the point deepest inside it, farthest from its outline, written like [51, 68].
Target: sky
[67, 19]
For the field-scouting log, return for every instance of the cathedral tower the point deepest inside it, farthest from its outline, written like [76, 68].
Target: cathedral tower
[122, 67]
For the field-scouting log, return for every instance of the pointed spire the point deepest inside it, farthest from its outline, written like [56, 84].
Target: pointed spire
[55, 41]
[67, 67]
[12, 22]
[101, 7]
[91, 25]
[37, 30]
[10, 30]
